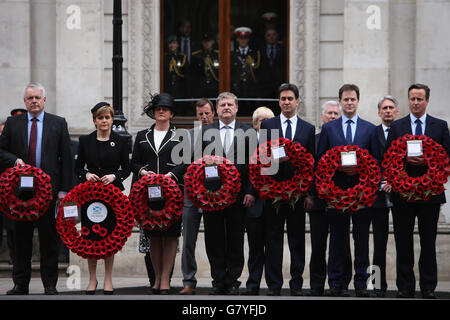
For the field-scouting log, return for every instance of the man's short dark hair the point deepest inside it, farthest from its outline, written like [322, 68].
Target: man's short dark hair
[288, 86]
[420, 86]
[203, 102]
[349, 87]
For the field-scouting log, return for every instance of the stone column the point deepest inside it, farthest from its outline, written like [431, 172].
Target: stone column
[79, 61]
[43, 48]
[366, 52]
[433, 63]
[14, 53]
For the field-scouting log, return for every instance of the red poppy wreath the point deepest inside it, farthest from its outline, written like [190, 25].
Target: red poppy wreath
[357, 197]
[289, 190]
[416, 188]
[149, 218]
[107, 244]
[206, 199]
[30, 209]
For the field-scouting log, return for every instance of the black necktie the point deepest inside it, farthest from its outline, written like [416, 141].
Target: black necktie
[418, 127]
[288, 134]
[348, 136]
[32, 144]
[271, 54]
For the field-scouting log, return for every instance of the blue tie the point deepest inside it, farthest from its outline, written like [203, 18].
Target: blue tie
[288, 134]
[348, 136]
[418, 127]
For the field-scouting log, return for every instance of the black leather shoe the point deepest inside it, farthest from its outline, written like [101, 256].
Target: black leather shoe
[273, 292]
[428, 295]
[334, 292]
[16, 291]
[378, 293]
[314, 292]
[50, 291]
[296, 292]
[92, 292]
[217, 290]
[362, 293]
[232, 291]
[250, 292]
[108, 292]
[405, 295]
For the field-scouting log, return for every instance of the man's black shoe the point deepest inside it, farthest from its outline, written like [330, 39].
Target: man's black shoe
[362, 293]
[378, 293]
[334, 292]
[250, 292]
[232, 291]
[315, 292]
[217, 290]
[405, 295]
[51, 291]
[17, 291]
[273, 292]
[428, 295]
[296, 292]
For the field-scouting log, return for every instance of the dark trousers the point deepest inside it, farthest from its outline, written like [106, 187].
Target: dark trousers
[404, 216]
[380, 230]
[319, 227]
[224, 243]
[48, 246]
[295, 227]
[256, 247]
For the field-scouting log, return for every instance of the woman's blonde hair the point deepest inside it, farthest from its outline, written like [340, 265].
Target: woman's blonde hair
[102, 110]
[262, 112]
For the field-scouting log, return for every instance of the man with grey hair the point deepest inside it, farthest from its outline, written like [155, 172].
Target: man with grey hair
[224, 229]
[387, 111]
[318, 221]
[41, 140]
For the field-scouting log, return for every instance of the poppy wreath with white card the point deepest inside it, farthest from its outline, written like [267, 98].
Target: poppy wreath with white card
[98, 202]
[216, 167]
[161, 189]
[289, 190]
[362, 194]
[33, 179]
[423, 187]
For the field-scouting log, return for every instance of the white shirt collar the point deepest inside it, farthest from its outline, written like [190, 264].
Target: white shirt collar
[232, 124]
[354, 119]
[293, 119]
[40, 117]
[422, 118]
[384, 127]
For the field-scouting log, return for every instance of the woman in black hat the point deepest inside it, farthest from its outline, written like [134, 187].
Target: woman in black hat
[102, 156]
[152, 155]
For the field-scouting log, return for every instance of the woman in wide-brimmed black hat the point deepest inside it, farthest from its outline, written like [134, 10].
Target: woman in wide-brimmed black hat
[152, 155]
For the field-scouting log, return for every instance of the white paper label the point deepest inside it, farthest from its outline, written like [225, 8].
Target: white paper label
[154, 192]
[211, 172]
[348, 158]
[414, 148]
[278, 153]
[26, 181]
[97, 212]
[70, 211]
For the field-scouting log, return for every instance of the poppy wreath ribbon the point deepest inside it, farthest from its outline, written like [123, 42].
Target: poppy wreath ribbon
[361, 195]
[420, 188]
[289, 190]
[156, 219]
[25, 210]
[206, 199]
[109, 244]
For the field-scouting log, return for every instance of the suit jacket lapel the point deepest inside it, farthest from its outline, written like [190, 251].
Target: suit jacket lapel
[381, 137]
[429, 121]
[407, 125]
[338, 125]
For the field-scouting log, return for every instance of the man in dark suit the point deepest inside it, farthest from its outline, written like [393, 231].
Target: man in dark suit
[290, 126]
[387, 111]
[40, 139]
[349, 129]
[224, 230]
[318, 221]
[427, 212]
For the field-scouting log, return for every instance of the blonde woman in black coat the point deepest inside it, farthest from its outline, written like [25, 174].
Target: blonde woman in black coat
[102, 156]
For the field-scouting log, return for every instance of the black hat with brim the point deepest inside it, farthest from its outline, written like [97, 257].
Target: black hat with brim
[98, 106]
[17, 111]
[159, 100]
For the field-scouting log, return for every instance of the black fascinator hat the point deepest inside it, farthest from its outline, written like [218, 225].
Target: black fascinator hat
[159, 100]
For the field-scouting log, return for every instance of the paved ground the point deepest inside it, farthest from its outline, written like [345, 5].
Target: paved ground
[137, 288]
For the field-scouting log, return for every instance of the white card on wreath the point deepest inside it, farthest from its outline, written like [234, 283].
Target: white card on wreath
[71, 211]
[348, 159]
[26, 181]
[414, 148]
[211, 172]
[278, 153]
[154, 192]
